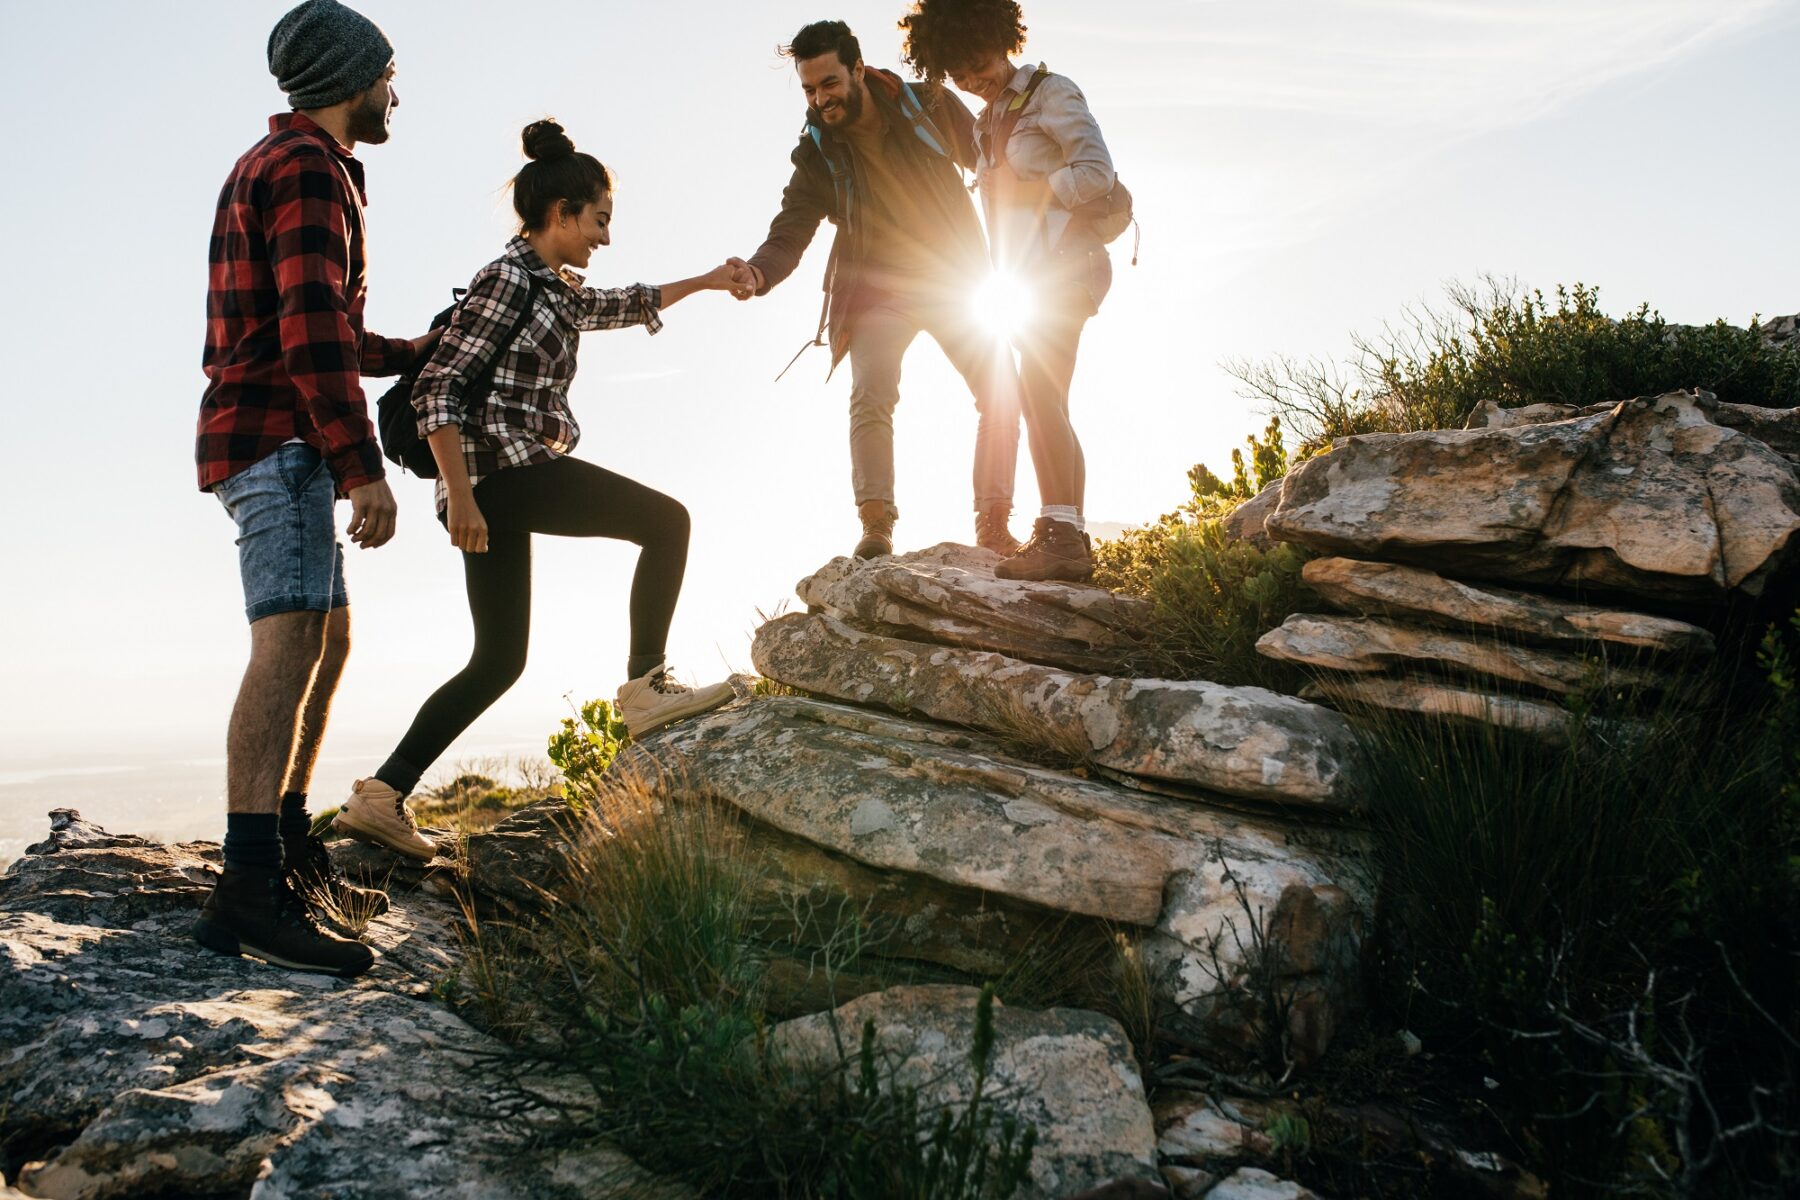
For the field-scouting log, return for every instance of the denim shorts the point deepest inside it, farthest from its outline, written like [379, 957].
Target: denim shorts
[288, 552]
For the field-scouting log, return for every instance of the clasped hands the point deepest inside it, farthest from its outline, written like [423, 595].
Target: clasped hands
[745, 280]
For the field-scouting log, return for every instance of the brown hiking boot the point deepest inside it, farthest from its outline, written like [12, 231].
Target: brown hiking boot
[337, 902]
[1055, 550]
[991, 532]
[878, 517]
[258, 912]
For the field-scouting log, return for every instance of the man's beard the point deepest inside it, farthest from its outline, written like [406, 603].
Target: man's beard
[853, 108]
[368, 121]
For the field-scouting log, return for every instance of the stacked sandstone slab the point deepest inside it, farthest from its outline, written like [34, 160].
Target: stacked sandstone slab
[968, 759]
[1674, 504]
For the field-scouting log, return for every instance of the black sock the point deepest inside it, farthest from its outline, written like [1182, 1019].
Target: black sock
[639, 665]
[252, 841]
[296, 822]
[399, 774]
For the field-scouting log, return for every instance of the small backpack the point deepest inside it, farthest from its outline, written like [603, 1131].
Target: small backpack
[396, 419]
[1108, 216]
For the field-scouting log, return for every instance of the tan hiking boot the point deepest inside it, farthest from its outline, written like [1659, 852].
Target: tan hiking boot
[878, 517]
[1055, 550]
[654, 699]
[991, 532]
[377, 813]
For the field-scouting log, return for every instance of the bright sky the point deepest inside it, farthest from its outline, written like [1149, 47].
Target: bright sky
[1302, 168]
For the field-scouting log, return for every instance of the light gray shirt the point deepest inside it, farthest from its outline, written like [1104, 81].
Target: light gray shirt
[1057, 141]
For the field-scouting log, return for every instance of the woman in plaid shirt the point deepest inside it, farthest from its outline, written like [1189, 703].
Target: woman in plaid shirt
[504, 471]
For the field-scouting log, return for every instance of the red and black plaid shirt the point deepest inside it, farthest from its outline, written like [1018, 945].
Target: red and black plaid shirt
[285, 345]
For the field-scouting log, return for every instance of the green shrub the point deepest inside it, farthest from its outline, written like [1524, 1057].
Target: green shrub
[1515, 347]
[1612, 926]
[1213, 595]
[586, 744]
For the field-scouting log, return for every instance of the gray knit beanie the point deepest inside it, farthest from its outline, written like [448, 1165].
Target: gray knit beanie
[322, 52]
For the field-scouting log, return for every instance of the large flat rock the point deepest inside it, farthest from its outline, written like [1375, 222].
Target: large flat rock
[1395, 590]
[1438, 698]
[1068, 1073]
[1245, 742]
[1370, 645]
[143, 1065]
[904, 796]
[1652, 498]
[948, 594]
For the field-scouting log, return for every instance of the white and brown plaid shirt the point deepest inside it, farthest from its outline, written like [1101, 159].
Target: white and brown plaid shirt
[524, 417]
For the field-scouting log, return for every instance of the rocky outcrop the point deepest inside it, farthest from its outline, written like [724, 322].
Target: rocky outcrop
[1653, 498]
[1393, 590]
[1438, 698]
[1068, 1073]
[135, 1064]
[1248, 522]
[1243, 742]
[1778, 428]
[1365, 645]
[948, 594]
[918, 800]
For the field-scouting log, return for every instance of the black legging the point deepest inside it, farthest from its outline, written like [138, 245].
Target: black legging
[567, 498]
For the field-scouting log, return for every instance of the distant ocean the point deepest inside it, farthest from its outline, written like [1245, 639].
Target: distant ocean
[172, 801]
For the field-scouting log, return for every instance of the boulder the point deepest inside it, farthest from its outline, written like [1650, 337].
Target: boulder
[1247, 522]
[921, 800]
[948, 594]
[912, 917]
[1244, 741]
[1777, 428]
[1066, 1072]
[1394, 590]
[1653, 499]
[1254, 1183]
[1369, 645]
[134, 1063]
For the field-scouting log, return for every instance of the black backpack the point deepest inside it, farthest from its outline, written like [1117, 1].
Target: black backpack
[397, 420]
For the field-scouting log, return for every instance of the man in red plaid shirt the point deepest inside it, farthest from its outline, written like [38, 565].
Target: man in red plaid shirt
[284, 430]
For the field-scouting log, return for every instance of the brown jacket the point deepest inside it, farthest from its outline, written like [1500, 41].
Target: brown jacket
[826, 180]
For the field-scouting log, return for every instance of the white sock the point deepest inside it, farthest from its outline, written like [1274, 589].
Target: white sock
[1066, 513]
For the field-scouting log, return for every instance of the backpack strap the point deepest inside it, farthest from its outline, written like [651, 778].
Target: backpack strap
[1001, 133]
[479, 382]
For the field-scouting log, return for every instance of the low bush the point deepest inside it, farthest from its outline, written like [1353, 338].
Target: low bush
[1213, 595]
[1514, 347]
[586, 744]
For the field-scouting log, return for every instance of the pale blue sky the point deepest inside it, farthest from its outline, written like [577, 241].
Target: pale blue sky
[1303, 168]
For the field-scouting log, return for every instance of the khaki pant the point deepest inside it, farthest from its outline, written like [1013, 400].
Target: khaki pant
[878, 342]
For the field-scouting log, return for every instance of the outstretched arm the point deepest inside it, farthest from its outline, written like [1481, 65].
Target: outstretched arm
[805, 201]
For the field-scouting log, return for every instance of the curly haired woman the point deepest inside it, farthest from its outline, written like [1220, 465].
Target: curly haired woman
[1043, 166]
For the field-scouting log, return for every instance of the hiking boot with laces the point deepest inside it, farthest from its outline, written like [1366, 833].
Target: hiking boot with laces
[377, 813]
[991, 532]
[257, 912]
[654, 699]
[878, 517]
[317, 879]
[1055, 550]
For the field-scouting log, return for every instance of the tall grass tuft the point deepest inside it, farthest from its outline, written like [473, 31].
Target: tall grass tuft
[644, 976]
[1611, 927]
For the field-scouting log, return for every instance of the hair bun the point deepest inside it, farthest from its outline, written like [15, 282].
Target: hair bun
[546, 140]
